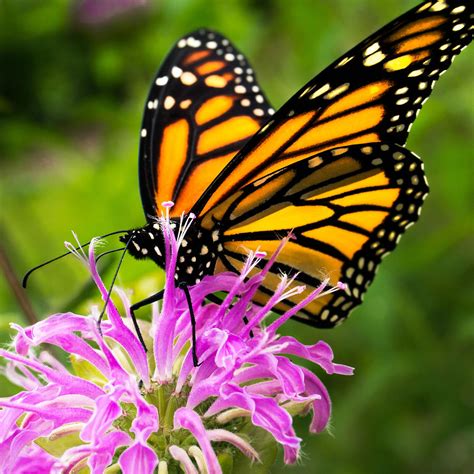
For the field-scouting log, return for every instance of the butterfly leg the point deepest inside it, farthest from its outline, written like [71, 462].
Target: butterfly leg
[151, 299]
[185, 288]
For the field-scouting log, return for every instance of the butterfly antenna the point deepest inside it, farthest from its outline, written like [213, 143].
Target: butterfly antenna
[29, 272]
[103, 254]
[109, 293]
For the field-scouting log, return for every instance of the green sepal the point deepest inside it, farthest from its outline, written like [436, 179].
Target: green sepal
[85, 370]
[265, 445]
[226, 462]
[60, 444]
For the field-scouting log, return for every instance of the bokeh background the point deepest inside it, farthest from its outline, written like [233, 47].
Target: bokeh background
[74, 77]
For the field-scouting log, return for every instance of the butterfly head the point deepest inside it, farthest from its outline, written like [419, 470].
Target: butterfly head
[146, 242]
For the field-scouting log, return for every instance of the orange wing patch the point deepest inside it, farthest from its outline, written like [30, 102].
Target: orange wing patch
[359, 97]
[213, 108]
[222, 134]
[196, 56]
[199, 179]
[209, 67]
[346, 241]
[273, 219]
[173, 153]
[367, 220]
[351, 124]
[417, 26]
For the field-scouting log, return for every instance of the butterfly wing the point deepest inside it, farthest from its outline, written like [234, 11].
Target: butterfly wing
[203, 106]
[346, 208]
[371, 94]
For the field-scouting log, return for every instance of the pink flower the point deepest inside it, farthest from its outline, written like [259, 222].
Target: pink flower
[116, 405]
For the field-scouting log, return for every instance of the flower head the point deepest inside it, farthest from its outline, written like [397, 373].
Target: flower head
[116, 404]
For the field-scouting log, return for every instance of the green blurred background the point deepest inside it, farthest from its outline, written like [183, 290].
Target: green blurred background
[73, 84]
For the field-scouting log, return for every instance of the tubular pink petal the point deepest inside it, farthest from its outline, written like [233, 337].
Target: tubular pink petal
[226, 436]
[322, 405]
[58, 415]
[191, 421]
[81, 385]
[183, 458]
[138, 458]
[102, 451]
[107, 410]
[285, 317]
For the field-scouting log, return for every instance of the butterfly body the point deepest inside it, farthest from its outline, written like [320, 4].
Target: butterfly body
[329, 167]
[198, 250]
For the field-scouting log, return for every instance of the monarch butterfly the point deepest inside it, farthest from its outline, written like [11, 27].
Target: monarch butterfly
[329, 166]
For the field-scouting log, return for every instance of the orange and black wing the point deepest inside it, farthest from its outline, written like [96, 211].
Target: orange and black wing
[203, 106]
[346, 209]
[371, 94]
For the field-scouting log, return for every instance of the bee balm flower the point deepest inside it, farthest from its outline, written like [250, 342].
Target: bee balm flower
[117, 405]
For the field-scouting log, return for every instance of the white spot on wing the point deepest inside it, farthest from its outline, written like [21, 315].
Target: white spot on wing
[176, 71]
[161, 81]
[320, 91]
[169, 102]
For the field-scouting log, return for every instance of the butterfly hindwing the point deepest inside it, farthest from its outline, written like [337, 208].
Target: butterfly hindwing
[345, 209]
[371, 94]
[203, 106]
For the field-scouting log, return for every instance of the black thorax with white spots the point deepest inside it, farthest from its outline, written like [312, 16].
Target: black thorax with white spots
[196, 256]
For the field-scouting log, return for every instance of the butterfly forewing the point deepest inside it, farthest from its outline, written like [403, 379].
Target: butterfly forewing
[344, 208]
[203, 106]
[371, 94]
